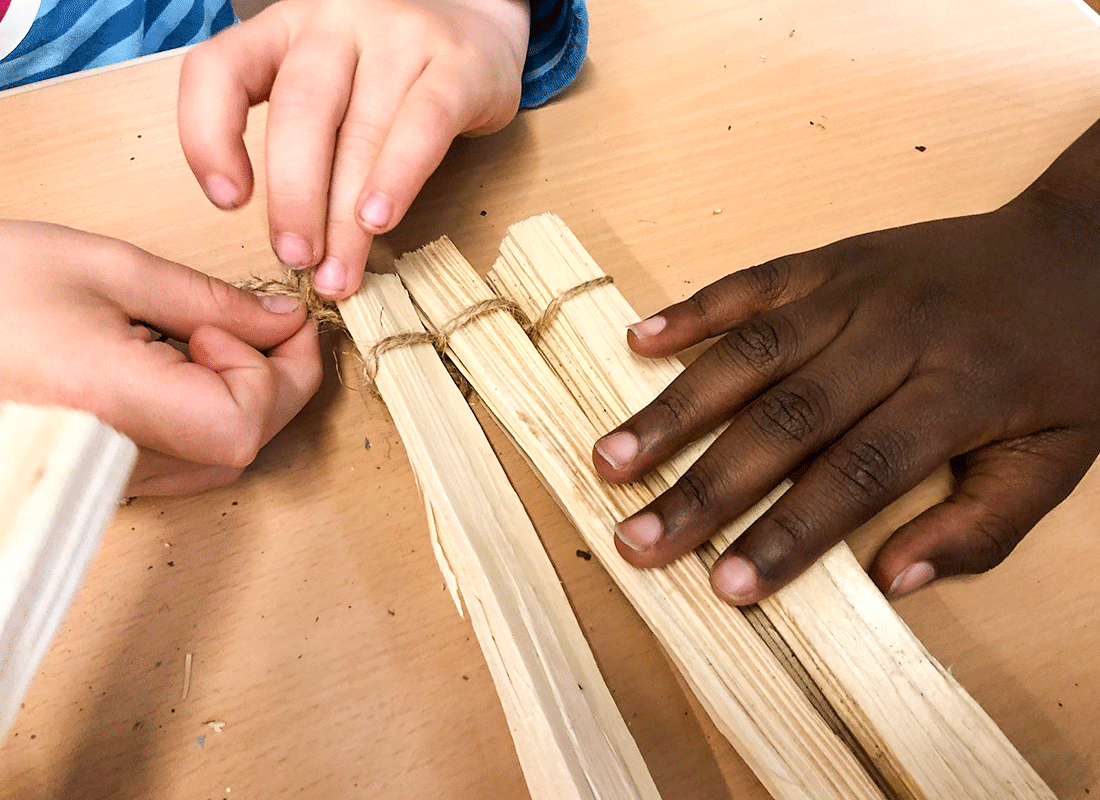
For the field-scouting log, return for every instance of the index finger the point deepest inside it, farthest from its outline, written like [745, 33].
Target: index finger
[219, 81]
[731, 301]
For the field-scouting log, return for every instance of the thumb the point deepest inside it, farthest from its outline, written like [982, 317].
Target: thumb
[177, 300]
[1004, 489]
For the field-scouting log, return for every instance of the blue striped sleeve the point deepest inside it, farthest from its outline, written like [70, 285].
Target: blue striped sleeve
[71, 35]
[559, 41]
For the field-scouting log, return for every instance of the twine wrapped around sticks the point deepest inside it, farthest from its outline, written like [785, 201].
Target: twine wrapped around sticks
[298, 285]
[538, 327]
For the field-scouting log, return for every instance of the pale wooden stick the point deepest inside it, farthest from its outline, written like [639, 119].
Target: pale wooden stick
[926, 734]
[572, 741]
[60, 479]
[751, 698]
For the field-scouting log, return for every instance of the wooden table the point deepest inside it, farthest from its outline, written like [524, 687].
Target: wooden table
[307, 593]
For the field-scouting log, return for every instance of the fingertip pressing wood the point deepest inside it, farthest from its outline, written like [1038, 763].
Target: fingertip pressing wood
[926, 736]
[60, 480]
[751, 698]
[571, 740]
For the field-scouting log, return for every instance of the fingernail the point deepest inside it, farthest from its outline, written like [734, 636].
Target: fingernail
[912, 578]
[293, 250]
[280, 303]
[221, 192]
[376, 212]
[734, 579]
[640, 532]
[649, 327]
[618, 449]
[330, 278]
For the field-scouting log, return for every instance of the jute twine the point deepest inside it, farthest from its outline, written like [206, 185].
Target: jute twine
[297, 284]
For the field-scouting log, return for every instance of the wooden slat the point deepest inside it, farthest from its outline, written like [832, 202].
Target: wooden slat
[61, 475]
[925, 734]
[747, 693]
[572, 741]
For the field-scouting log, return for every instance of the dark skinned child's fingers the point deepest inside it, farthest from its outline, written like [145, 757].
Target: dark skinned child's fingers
[738, 367]
[785, 426]
[887, 453]
[730, 301]
[1003, 490]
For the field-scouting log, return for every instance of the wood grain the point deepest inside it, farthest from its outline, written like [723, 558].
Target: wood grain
[60, 482]
[747, 693]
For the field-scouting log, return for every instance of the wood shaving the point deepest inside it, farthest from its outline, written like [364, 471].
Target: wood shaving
[186, 677]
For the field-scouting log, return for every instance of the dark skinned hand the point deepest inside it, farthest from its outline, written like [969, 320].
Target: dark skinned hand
[863, 366]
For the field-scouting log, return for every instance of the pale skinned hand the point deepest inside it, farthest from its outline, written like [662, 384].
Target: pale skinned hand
[79, 312]
[864, 365]
[366, 97]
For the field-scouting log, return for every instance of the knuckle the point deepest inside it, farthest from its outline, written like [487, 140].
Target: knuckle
[414, 23]
[112, 255]
[438, 107]
[868, 470]
[994, 536]
[672, 408]
[241, 430]
[769, 281]
[223, 298]
[114, 252]
[293, 204]
[362, 135]
[242, 444]
[297, 100]
[785, 533]
[198, 57]
[706, 302]
[698, 488]
[757, 343]
[790, 413]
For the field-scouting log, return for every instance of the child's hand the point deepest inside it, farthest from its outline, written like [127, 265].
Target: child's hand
[73, 306]
[365, 98]
[874, 360]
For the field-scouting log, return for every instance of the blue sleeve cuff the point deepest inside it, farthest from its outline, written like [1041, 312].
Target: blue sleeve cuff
[559, 41]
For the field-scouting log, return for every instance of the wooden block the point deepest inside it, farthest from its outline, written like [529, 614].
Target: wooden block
[60, 481]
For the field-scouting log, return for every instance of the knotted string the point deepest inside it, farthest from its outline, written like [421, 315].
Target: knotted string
[296, 284]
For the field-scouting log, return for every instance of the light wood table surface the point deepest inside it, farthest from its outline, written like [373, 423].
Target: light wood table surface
[307, 592]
